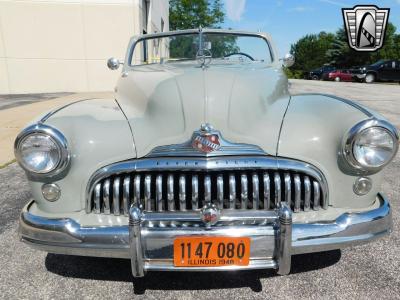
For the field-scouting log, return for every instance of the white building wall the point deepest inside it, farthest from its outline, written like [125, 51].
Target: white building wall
[63, 45]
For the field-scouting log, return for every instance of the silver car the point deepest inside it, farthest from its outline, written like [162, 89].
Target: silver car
[203, 161]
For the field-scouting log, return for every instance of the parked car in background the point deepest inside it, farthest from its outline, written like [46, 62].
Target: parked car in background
[383, 70]
[317, 73]
[358, 73]
[203, 161]
[338, 75]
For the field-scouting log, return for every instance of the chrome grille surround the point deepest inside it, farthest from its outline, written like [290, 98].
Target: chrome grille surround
[167, 184]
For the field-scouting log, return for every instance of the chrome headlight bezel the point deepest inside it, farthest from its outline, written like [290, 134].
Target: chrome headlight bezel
[56, 137]
[355, 131]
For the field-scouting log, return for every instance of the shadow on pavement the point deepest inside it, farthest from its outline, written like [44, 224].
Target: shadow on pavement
[120, 270]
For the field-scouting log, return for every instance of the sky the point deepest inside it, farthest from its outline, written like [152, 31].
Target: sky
[289, 20]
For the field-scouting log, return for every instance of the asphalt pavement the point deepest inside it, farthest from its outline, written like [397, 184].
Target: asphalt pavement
[363, 272]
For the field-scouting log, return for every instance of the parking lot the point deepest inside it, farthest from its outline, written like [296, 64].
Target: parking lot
[363, 272]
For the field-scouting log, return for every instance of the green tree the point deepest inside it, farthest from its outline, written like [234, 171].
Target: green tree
[186, 14]
[310, 51]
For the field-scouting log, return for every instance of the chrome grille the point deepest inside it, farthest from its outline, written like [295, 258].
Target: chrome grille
[184, 190]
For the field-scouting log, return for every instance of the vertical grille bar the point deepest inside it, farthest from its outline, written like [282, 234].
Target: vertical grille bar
[244, 191]
[126, 195]
[232, 191]
[220, 191]
[256, 192]
[307, 193]
[316, 195]
[136, 193]
[147, 193]
[324, 202]
[288, 189]
[106, 196]
[159, 198]
[97, 191]
[267, 191]
[277, 184]
[170, 192]
[195, 192]
[297, 192]
[207, 189]
[116, 198]
[182, 192]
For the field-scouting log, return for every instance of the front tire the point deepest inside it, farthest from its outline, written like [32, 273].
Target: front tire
[369, 78]
[315, 77]
[337, 79]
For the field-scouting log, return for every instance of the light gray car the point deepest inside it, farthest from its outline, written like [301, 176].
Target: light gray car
[203, 161]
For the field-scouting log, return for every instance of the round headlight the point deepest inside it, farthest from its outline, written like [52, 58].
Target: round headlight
[41, 149]
[371, 145]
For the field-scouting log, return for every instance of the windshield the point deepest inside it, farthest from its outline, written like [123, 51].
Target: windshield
[212, 47]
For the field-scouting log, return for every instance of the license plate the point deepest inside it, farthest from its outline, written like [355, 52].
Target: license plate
[211, 251]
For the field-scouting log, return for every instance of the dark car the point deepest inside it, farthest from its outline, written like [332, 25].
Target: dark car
[317, 73]
[384, 70]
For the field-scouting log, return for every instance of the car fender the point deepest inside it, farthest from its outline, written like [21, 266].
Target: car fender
[98, 134]
[313, 131]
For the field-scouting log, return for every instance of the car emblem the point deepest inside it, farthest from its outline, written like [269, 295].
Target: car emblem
[210, 214]
[365, 26]
[204, 140]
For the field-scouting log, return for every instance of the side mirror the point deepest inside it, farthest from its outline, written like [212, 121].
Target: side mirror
[288, 60]
[113, 63]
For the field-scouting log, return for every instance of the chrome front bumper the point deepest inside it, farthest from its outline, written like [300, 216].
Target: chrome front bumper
[151, 248]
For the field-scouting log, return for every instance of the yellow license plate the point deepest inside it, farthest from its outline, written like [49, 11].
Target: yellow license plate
[211, 251]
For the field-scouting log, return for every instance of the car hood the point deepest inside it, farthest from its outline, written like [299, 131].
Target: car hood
[165, 104]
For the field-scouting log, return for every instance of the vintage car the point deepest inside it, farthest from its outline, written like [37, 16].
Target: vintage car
[204, 161]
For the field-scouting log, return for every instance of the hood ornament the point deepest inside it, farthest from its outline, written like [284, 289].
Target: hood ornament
[206, 142]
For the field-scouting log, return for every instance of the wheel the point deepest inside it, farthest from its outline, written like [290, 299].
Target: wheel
[315, 77]
[370, 78]
[337, 79]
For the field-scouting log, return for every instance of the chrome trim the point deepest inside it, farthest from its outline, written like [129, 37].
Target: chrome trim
[277, 182]
[349, 139]
[194, 164]
[195, 192]
[159, 198]
[106, 196]
[288, 189]
[256, 192]
[220, 191]
[126, 199]
[232, 191]
[182, 192]
[57, 137]
[66, 236]
[297, 193]
[317, 195]
[136, 195]
[115, 202]
[97, 192]
[207, 189]
[267, 191]
[285, 239]
[147, 193]
[307, 193]
[243, 191]
[135, 242]
[170, 192]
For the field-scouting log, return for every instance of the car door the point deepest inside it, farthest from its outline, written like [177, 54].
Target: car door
[385, 71]
[396, 71]
[346, 74]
